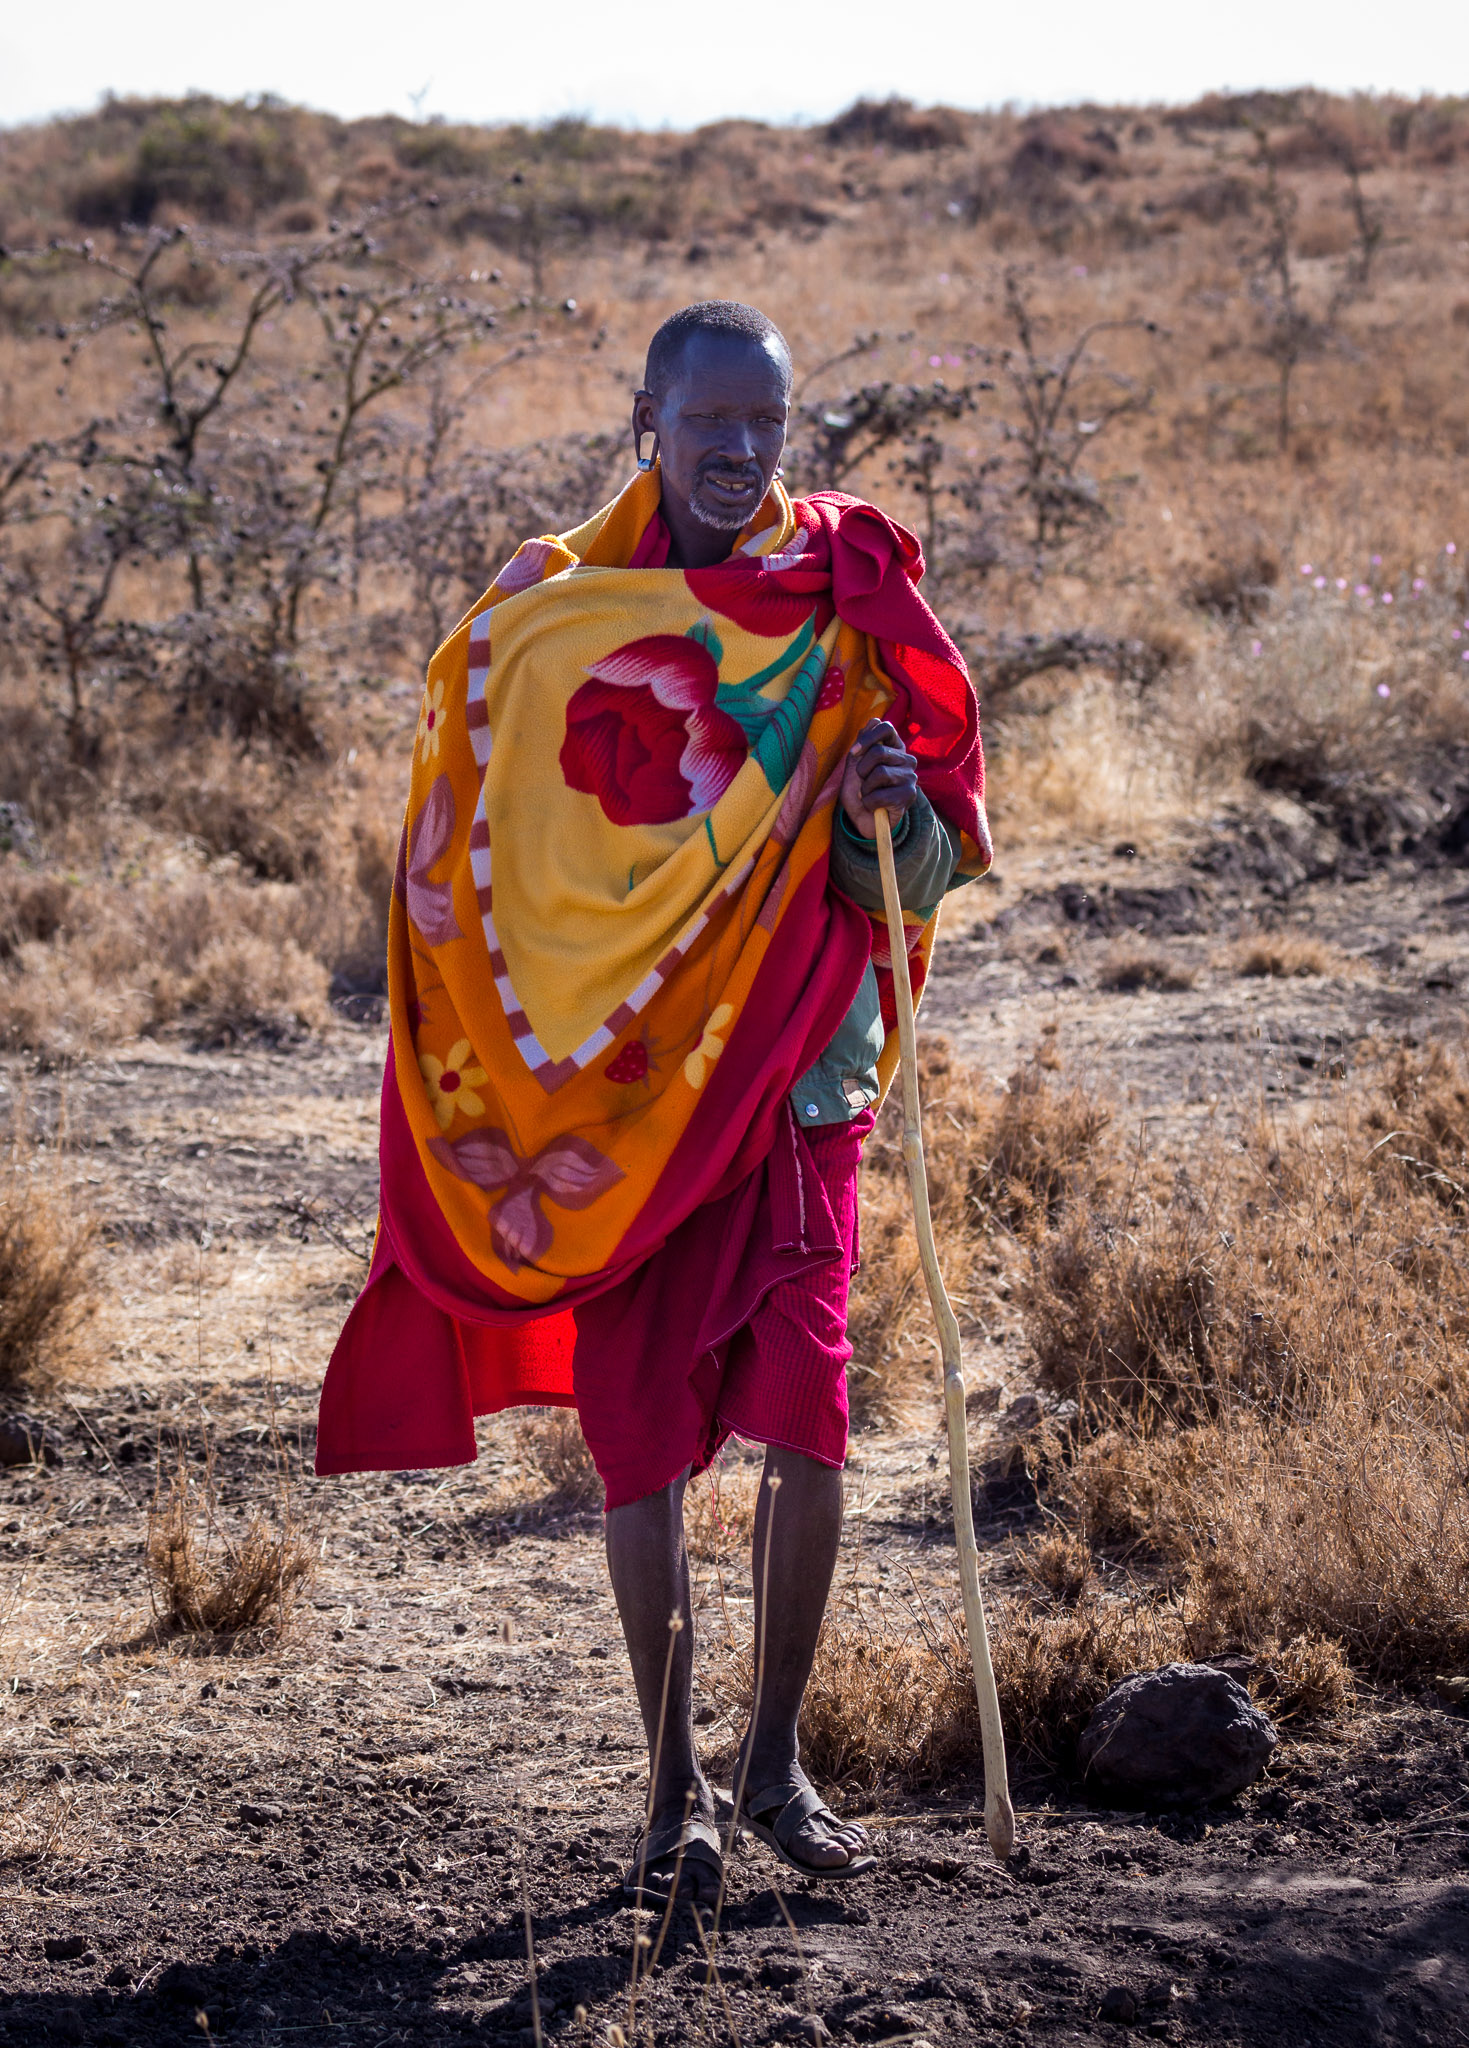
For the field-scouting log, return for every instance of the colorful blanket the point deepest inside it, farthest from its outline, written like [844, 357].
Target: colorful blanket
[611, 946]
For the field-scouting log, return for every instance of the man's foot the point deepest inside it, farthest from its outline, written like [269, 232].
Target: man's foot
[679, 1855]
[791, 1817]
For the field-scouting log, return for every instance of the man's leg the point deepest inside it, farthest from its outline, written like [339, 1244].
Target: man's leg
[649, 1564]
[800, 1524]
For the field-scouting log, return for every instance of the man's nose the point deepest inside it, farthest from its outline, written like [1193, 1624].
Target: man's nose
[737, 442]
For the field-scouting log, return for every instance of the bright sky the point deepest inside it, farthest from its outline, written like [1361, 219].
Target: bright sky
[654, 63]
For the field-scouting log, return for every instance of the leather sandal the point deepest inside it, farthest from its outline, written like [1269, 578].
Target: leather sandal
[778, 1811]
[698, 1864]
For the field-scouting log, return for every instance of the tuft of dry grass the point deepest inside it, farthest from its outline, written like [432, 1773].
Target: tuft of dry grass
[1129, 968]
[1000, 1164]
[1278, 957]
[48, 1273]
[210, 1583]
[1060, 1562]
[249, 986]
[1310, 1680]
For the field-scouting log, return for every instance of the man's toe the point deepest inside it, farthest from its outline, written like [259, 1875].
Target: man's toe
[822, 1847]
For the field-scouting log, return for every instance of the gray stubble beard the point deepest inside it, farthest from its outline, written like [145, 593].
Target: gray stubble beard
[720, 522]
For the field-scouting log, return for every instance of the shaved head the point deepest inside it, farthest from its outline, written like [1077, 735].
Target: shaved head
[717, 319]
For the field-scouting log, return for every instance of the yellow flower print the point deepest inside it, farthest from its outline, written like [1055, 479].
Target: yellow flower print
[710, 1046]
[451, 1084]
[431, 721]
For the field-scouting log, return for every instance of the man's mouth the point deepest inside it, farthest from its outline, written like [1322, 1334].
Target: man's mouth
[741, 484]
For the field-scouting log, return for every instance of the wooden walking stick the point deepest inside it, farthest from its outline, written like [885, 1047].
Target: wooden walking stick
[999, 1815]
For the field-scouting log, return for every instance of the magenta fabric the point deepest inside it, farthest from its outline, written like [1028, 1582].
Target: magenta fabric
[739, 1324]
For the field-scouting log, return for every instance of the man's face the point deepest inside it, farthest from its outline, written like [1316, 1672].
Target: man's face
[721, 427]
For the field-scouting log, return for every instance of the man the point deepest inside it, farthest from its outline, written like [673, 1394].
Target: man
[641, 1015]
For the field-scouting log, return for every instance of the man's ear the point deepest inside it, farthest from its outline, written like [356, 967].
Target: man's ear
[643, 422]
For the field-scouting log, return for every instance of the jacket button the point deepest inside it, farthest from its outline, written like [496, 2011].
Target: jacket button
[811, 1109]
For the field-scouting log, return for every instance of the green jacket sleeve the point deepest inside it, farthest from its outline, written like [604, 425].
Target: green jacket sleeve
[925, 854]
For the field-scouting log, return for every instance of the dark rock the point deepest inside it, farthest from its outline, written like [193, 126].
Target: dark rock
[1176, 1737]
[1118, 2006]
[120, 1977]
[259, 1816]
[65, 1948]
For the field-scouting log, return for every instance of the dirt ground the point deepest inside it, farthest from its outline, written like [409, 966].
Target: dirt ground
[341, 1835]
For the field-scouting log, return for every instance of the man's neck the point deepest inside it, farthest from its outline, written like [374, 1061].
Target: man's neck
[692, 544]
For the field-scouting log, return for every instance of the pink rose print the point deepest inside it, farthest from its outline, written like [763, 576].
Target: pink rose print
[569, 1171]
[643, 735]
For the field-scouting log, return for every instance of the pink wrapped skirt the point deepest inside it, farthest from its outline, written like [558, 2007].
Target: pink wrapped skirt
[739, 1324]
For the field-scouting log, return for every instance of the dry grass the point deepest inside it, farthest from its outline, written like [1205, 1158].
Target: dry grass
[49, 1283]
[200, 947]
[1270, 1361]
[249, 986]
[1000, 1164]
[719, 1512]
[1092, 765]
[211, 1583]
[1282, 957]
[552, 1445]
[891, 1702]
[1129, 968]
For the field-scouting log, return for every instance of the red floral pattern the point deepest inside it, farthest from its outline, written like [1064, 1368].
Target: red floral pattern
[643, 735]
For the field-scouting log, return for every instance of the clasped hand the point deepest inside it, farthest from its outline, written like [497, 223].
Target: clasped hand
[880, 775]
